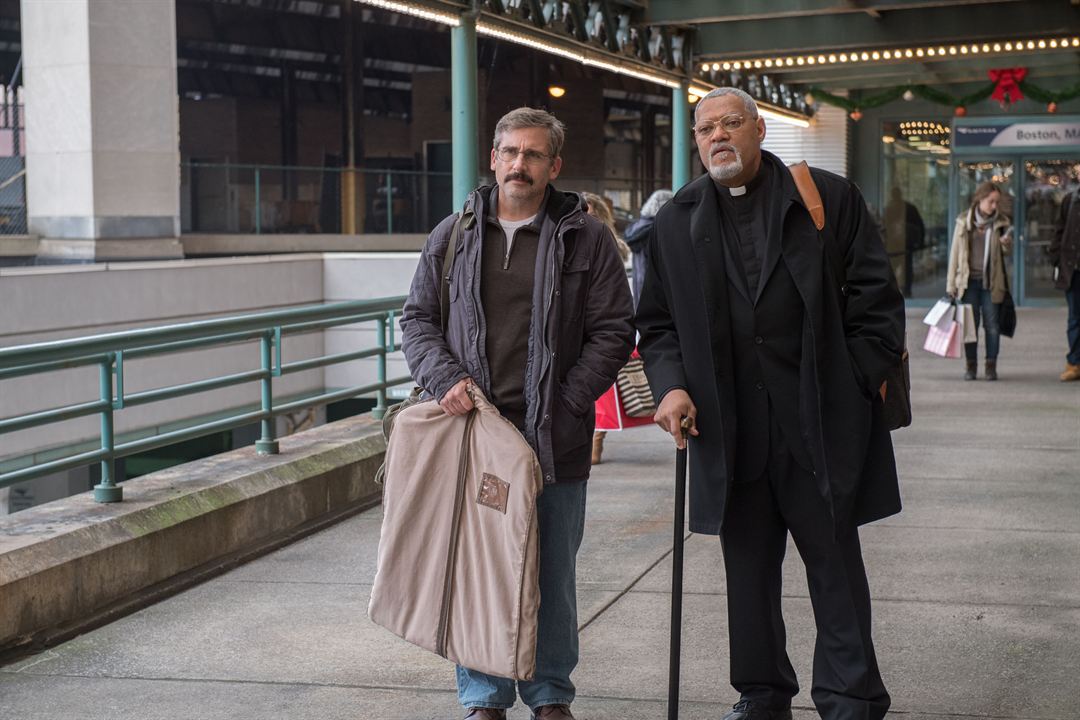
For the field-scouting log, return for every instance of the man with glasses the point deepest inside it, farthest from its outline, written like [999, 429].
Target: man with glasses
[540, 319]
[774, 339]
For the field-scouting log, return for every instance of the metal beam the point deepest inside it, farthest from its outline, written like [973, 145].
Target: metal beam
[707, 12]
[463, 108]
[748, 38]
[680, 136]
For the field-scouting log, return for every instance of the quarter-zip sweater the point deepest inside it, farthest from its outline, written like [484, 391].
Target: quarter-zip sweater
[507, 271]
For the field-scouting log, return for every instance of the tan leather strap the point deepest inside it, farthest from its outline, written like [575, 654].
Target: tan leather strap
[808, 191]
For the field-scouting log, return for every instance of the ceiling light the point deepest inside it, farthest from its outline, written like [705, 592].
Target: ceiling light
[715, 67]
[415, 11]
[727, 66]
[555, 91]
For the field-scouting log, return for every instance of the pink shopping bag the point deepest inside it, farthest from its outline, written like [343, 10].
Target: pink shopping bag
[945, 338]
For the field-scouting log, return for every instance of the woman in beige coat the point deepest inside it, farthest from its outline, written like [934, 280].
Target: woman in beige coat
[977, 273]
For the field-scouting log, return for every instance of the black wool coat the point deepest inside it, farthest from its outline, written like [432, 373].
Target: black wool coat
[853, 332]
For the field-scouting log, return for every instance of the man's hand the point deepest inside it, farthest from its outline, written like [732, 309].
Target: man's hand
[457, 401]
[675, 406]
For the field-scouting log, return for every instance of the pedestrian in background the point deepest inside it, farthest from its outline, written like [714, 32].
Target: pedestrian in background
[977, 274]
[609, 411]
[1064, 253]
[637, 237]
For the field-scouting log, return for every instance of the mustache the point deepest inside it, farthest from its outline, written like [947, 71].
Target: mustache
[717, 147]
[518, 176]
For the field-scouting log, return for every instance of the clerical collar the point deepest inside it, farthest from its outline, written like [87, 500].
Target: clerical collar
[753, 185]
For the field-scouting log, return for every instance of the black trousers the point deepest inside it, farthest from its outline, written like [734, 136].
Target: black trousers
[846, 684]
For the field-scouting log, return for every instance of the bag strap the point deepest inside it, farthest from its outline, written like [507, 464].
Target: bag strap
[808, 191]
[467, 219]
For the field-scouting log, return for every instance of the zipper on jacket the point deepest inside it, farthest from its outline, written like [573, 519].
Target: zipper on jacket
[455, 528]
[560, 231]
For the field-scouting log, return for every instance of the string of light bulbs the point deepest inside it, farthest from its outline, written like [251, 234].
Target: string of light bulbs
[925, 52]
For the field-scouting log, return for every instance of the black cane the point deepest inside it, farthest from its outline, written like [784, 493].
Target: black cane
[677, 575]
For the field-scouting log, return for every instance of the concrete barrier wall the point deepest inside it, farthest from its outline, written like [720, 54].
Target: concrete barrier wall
[71, 564]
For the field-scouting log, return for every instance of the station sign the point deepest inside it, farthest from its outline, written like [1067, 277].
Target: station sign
[1015, 136]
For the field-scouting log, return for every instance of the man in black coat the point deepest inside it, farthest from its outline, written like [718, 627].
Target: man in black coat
[774, 339]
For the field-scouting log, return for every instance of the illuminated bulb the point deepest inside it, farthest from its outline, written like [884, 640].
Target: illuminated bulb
[908, 53]
[985, 47]
[1076, 42]
[705, 68]
[768, 63]
[737, 66]
[715, 67]
[821, 59]
[952, 50]
[811, 60]
[789, 62]
[865, 56]
[888, 55]
[757, 63]
[556, 92]
[997, 47]
[919, 52]
[1008, 47]
[843, 57]
[1053, 43]
[832, 58]
[801, 61]
[1030, 44]
[931, 52]
[941, 51]
[963, 50]
[727, 66]
[876, 55]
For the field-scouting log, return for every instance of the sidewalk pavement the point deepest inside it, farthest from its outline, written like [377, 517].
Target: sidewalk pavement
[976, 587]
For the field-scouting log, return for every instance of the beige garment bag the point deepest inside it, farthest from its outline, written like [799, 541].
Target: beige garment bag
[458, 554]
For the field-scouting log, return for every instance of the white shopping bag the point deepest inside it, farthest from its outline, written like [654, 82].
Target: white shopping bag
[938, 311]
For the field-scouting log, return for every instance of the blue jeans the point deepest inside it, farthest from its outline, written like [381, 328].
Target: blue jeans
[560, 512]
[986, 314]
[1072, 299]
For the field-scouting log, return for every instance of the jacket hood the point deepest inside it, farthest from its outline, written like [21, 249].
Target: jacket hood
[557, 204]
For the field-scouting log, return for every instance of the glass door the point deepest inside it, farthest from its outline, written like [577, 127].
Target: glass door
[1046, 183]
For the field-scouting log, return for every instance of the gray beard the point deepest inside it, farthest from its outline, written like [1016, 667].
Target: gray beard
[728, 171]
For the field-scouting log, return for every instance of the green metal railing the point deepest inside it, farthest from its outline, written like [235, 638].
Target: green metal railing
[111, 351]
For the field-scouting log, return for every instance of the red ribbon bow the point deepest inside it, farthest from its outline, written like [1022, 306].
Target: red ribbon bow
[1007, 84]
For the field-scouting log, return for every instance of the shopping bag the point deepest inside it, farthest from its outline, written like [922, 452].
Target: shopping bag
[945, 338]
[937, 312]
[971, 334]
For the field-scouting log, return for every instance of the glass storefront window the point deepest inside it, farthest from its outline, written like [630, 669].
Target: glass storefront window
[914, 221]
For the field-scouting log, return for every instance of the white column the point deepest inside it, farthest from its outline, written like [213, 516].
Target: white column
[102, 128]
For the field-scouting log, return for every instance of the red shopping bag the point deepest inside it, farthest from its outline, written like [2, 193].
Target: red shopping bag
[947, 336]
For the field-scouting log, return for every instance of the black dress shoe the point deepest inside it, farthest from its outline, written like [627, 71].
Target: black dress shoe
[748, 710]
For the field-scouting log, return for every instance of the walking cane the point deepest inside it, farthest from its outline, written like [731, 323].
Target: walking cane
[676, 575]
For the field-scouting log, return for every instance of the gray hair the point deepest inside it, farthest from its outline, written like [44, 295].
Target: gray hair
[655, 202]
[747, 101]
[527, 117]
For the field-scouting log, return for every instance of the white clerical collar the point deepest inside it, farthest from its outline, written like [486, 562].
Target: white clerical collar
[737, 191]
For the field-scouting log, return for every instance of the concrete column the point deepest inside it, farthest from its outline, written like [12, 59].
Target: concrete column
[102, 119]
[680, 136]
[463, 107]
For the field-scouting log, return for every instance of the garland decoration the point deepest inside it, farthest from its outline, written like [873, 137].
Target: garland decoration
[1007, 86]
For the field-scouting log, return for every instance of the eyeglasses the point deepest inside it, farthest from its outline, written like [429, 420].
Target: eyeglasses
[532, 157]
[730, 124]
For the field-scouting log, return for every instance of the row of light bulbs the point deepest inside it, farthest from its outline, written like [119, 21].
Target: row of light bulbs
[922, 126]
[930, 51]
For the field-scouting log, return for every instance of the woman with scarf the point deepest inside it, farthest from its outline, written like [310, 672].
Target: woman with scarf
[977, 273]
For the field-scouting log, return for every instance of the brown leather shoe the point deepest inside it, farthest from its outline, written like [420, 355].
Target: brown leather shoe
[1072, 372]
[553, 712]
[479, 713]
